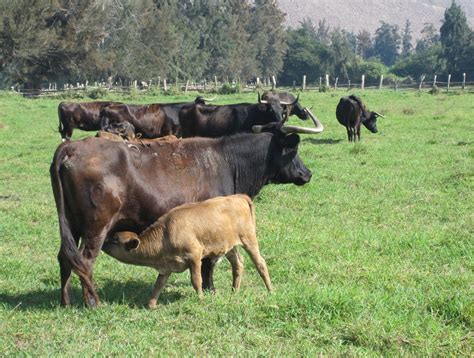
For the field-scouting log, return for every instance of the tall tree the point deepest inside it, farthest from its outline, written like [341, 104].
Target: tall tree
[429, 37]
[407, 39]
[387, 43]
[455, 37]
[343, 55]
[268, 35]
[364, 44]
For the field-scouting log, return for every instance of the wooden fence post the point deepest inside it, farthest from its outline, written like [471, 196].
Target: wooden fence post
[349, 85]
[422, 78]
[381, 82]
[362, 86]
[274, 82]
[304, 83]
[294, 85]
[186, 88]
[335, 83]
[327, 80]
[434, 80]
[449, 82]
[165, 87]
[464, 80]
[320, 81]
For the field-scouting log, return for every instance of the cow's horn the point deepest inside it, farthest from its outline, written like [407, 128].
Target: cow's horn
[260, 100]
[291, 103]
[317, 123]
[302, 130]
[257, 129]
[380, 115]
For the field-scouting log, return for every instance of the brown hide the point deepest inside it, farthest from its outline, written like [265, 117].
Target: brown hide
[84, 116]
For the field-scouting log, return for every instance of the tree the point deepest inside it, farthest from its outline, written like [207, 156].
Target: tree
[364, 44]
[407, 39]
[268, 35]
[387, 43]
[305, 57]
[323, 33]
[430, 37]
[343, 55]
[455, 37]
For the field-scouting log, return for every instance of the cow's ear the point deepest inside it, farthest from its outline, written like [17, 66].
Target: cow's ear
[132, 244]
[291, 140]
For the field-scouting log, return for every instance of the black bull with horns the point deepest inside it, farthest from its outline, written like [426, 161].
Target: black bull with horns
[101, 187]
[351, 112]
[216, 121]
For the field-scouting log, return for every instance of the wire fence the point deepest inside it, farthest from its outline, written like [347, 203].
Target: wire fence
[100, 89]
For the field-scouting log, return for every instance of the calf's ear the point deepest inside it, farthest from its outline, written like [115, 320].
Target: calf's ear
[132, 244]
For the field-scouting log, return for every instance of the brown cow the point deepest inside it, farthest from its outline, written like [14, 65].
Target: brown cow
[84, 115]
[180, 239]
[101, 187]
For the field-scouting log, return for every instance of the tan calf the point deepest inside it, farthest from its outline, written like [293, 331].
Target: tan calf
[185, 235]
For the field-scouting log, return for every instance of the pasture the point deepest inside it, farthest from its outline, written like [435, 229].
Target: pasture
[373, 257]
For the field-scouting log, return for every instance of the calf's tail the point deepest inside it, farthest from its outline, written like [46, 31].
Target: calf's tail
[252, 209]
[68, 244]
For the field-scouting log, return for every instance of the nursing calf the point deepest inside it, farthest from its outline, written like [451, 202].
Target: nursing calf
[180, 239]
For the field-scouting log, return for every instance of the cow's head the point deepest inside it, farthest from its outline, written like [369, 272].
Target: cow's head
[123, 129]
[370, 121]
[298, 110]
[285, 165]
[271, 109]
[289, 168]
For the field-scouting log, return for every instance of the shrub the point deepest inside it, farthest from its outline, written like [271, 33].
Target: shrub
[434, 91]
[228, 88]
[97, 93]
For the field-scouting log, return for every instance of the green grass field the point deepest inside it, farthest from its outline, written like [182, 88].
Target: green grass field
[373, 257]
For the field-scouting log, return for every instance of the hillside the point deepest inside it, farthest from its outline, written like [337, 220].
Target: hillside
[367, 14]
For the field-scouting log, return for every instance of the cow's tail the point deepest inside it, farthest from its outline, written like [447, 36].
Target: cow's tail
[68, 245]
[60, 126]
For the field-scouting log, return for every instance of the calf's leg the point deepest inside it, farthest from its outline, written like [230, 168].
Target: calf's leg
[251, 246]
[159, 285]
[207, 272]
[236, 261]
[196, 279]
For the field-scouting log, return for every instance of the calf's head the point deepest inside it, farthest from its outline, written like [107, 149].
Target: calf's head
[122, 245]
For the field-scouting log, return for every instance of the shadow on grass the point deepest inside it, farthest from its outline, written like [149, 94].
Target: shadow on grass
[322, 141]
[133, 294]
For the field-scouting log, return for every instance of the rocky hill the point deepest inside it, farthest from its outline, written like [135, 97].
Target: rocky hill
[356, 15]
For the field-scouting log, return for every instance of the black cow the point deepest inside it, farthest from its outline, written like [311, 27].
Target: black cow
[351, 113]
[217, 121]
[101, 186]
[150, 121]
[290, 103]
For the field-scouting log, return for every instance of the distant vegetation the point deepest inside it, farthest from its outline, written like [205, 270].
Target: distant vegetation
[68, 41]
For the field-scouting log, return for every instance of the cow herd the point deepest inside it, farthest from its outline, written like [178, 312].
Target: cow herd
[107, 188]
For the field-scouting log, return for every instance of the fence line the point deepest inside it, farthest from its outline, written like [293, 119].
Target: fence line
[215, 86]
